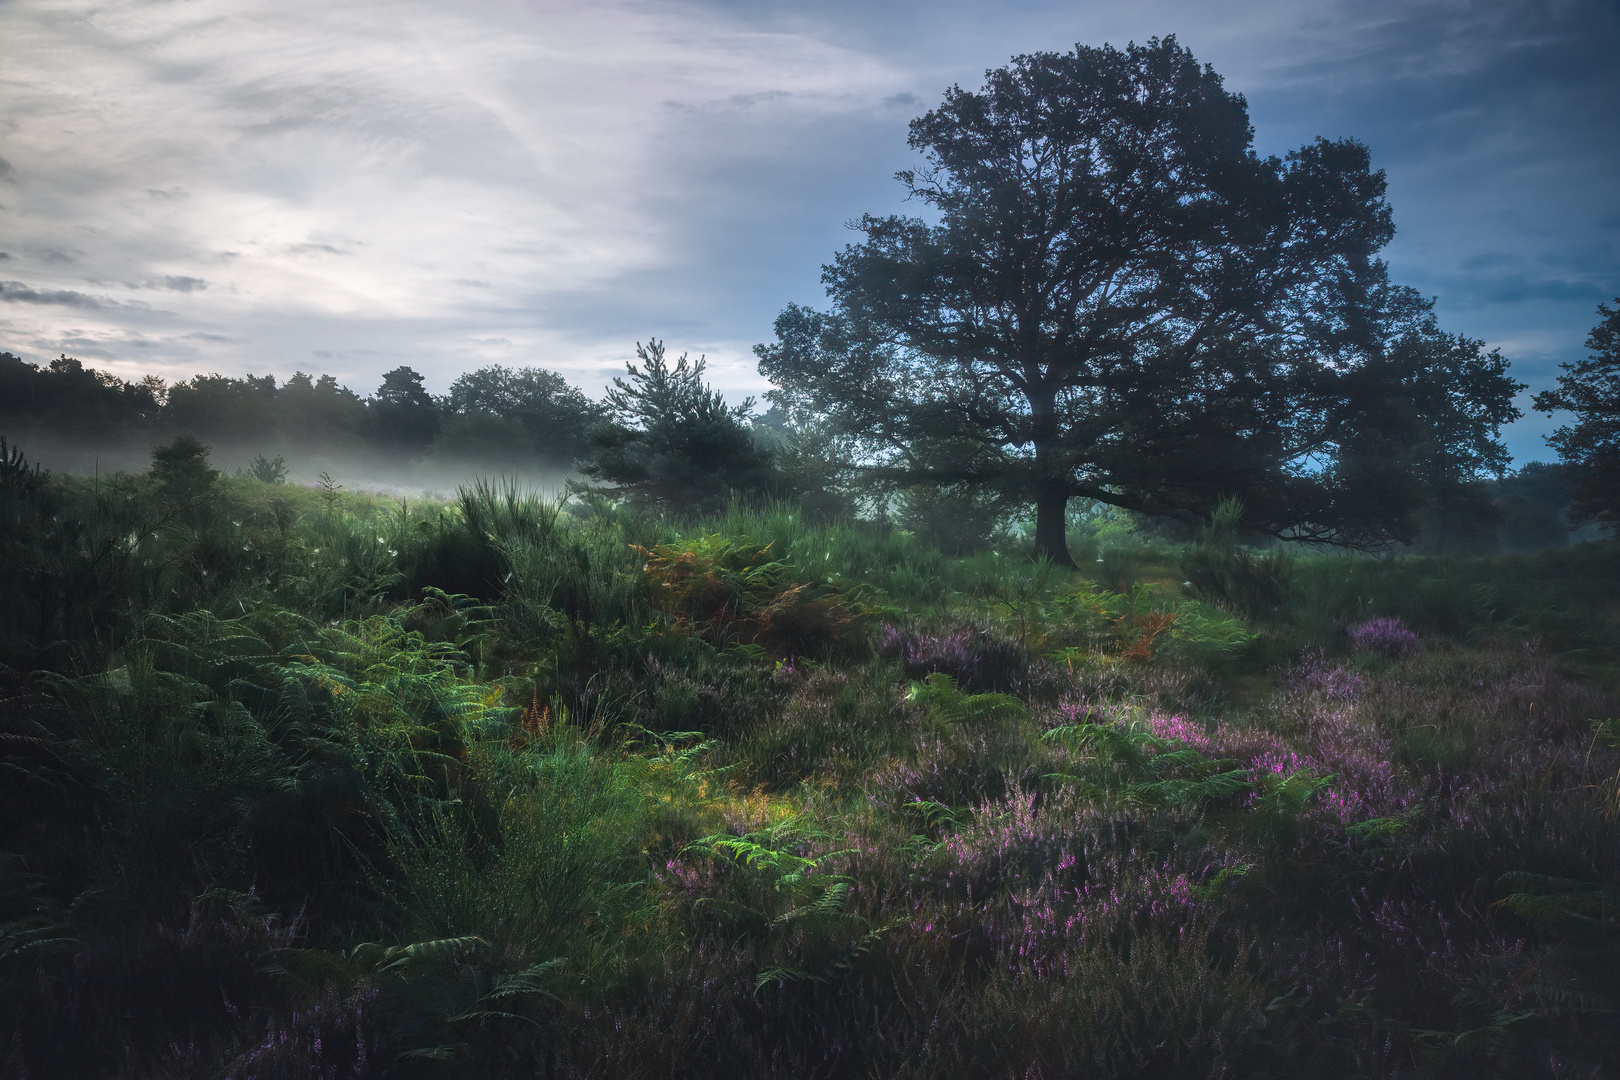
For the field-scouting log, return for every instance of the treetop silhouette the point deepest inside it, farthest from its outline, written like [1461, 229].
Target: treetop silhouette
[1121, 300]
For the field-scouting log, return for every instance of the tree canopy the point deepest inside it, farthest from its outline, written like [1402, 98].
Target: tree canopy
[494, 417]
[1119, 299]
[181, 468]
[402, 413]
[1591, 390]
[672, 442]
[539, 409]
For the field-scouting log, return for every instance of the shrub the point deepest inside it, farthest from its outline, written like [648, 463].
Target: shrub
[1386, 637]
[674, 444]
[1218, 569]
[976, 658]
[181, 468]
[268, 470]
[737, 592]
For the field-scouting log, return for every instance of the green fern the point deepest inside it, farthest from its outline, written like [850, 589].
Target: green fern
[1216, 887]
[936, 815]
[1130, 765]
[402, 959]
[768, 852]
[1561, 902]
[944, 704]
[1378, 830]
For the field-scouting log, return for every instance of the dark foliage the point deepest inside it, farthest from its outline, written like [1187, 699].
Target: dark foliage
[1591, 390]
[402, 416]
[956, 518]
[65, 398]
[268, 470]
[1122, 301]
[673, 443]
[219, 407]
[494, 418]
[498, 413]
[1219, 568]
[1533, 505]
[181, 469]
[977, 659]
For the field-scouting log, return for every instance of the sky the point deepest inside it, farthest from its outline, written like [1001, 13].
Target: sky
[268, 186]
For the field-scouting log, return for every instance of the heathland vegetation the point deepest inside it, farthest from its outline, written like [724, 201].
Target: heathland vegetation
[1118, 652]
[304, 782]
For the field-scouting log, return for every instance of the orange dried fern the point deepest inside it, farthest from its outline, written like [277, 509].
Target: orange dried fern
[732, 592]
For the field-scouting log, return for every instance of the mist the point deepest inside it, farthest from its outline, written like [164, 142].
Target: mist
[524, 427]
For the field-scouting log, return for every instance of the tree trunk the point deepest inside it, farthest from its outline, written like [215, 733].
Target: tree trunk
[1052, 524]
[1051, 483]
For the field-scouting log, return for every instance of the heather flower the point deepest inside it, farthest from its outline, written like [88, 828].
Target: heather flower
[1387, 637]
[978, 660]
[1316, 676]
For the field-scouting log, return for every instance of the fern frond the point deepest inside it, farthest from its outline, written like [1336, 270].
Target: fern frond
[783, 975]
[844, 964]
[1554, 901]
[402, 957]
[943, 702]
[1374, 829]
[1216, 887]
[937, 813]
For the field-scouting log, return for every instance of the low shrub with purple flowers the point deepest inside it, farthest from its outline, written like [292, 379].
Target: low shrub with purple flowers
[1302, 816]
[1386, 637]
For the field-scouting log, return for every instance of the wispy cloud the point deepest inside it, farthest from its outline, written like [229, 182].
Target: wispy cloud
[292, 165]
[359, 185]
[16, 292]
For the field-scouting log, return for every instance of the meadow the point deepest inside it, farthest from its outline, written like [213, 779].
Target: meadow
[302, 782]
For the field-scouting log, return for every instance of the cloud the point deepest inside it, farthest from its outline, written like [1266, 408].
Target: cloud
[314, 249]
[430, 146]
[16, 292]
[356, 186]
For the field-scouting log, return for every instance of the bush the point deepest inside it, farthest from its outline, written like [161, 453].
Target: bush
[181, 469]
[674, 444]
[1388, 637]
[731, 592]
[975, 658]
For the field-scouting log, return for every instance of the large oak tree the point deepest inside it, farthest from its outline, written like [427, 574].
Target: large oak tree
[1117, 298]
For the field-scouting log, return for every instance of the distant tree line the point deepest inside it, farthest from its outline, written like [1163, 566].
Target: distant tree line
[494, 415]
[662, 437]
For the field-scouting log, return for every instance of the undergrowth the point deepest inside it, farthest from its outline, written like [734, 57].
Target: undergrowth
[304, 782]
